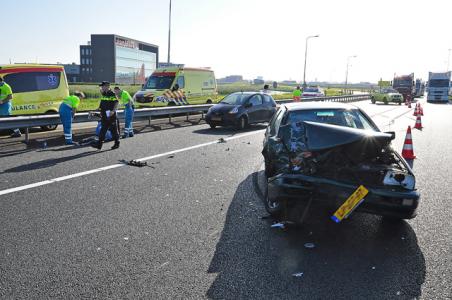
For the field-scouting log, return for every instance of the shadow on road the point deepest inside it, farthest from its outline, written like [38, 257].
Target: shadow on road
[364, 257]
[229, 130]
[47, 163]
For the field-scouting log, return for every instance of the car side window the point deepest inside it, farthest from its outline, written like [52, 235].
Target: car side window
[181, 82]
[267, 99]
[256, 100]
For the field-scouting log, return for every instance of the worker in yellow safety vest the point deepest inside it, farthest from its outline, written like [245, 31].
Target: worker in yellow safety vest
[67, 111]
[297, 94]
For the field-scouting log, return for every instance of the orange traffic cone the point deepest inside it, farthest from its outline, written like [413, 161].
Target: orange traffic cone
[416, 111]
[407, 151]
[418, 124]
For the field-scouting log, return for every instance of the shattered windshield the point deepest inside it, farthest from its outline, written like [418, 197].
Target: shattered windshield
[234, 99]
[350, 118]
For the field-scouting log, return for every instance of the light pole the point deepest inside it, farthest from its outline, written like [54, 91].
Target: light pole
[448, 60]
[169, 33]
[346, 72]
[305, 56]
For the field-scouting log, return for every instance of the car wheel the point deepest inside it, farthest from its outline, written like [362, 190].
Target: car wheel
[243, 123]
[385, 101]
[400, 102]
[373, 100]
[212, 126]
[49, 127]
[209, 101]
[172, 103]
[52, 126]
[274, 208]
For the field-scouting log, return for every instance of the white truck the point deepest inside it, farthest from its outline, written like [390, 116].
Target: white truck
[438, 87]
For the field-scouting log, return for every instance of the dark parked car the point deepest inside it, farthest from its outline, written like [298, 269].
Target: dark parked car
[319, 152]
[242, 109]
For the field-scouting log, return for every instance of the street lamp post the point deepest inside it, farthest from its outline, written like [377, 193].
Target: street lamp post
[346, 72]
[169, 33]
[305, 57]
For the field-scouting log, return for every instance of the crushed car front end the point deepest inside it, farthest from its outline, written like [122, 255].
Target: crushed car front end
[327, 163]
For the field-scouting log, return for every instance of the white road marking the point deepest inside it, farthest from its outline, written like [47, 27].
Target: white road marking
[97, 170]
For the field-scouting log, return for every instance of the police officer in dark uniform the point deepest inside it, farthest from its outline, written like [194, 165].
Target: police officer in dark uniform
[108, 107]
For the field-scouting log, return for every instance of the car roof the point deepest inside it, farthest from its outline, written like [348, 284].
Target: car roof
[309, 105]
[251, 93]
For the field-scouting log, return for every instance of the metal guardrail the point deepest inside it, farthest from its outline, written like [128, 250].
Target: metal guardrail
[144, 114]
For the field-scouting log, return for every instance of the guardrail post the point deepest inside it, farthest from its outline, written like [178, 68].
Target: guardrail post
[149, 120]
[202, 115]
[27, 135]
[169, 117]
[187, 116]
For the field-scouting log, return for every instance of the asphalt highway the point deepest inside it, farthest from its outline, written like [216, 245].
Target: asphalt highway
[79, 223]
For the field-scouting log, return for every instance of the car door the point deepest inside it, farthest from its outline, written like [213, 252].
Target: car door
[270, 107]
[271, 135]
[256, 110]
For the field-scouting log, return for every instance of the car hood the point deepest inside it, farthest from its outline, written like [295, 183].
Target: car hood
[319, 136]
[222, 108]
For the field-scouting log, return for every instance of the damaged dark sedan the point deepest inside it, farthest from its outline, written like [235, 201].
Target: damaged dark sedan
[320, 152]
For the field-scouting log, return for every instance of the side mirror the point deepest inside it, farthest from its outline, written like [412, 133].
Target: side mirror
[392, 133]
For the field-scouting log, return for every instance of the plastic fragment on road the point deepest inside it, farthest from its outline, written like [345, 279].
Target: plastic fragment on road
[136, 163]
[309, 245]
[171, 156]
[297, 274]
[350, 204]
[126, 238]
[373, 268]
[278, 225]
[221, 140]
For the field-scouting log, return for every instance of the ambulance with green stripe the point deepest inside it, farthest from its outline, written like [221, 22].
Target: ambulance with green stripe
[37, 89]
[178, 86]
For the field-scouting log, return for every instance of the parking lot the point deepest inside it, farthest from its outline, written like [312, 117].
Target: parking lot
[75, 222]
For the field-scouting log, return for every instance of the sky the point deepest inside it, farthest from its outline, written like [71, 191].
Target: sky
[245, 37]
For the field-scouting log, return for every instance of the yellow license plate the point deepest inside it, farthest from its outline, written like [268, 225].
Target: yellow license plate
[350, 204]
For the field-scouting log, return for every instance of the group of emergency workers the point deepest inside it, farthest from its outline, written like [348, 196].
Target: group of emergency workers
[109, 103]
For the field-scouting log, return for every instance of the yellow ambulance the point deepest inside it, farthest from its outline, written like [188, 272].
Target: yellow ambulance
[37, 89]
[178, 86]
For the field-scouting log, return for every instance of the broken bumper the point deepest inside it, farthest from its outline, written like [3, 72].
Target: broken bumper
[381, 201]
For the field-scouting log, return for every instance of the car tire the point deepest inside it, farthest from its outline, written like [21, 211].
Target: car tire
[50, 127]
[400, 102]
[385, 101]
[269, 170]
[212, 126]
[274, 208]
[373, 100]
[209, 101]
[172, 103]
[243, 123]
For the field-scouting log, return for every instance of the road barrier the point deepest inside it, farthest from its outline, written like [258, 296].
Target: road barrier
[144, 114]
